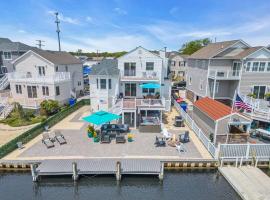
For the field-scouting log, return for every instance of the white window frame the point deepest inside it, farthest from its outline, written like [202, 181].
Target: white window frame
[45, 91]
[150, 69]
[102, 79]
[18, 89]
[41, 70]
[250, 70]
[4, 57]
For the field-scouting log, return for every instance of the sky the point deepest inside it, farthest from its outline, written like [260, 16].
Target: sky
[118, 25]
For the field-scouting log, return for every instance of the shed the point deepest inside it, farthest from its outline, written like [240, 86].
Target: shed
[220, 122]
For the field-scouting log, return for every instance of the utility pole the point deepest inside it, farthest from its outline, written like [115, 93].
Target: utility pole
[39, 44]
[57, 21]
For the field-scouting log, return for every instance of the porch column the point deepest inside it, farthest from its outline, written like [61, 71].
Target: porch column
[135, 119]
[122, 117]
[214, 88]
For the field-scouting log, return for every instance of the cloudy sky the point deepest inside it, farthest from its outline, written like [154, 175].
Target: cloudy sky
[116, 25]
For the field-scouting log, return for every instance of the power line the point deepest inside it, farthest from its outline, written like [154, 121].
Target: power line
[39, 44]
[57, 21]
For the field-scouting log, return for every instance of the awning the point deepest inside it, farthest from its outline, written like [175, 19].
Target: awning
[150, 86]
[101, 117]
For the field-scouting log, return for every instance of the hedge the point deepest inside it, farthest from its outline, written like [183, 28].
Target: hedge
[38, 129]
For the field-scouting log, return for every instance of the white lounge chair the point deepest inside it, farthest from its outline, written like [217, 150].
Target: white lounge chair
[180, 148]
[47, 140]
[166, 134]
[59, 137]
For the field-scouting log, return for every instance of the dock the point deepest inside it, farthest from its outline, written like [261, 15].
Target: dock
[249, 182]
[117, 167]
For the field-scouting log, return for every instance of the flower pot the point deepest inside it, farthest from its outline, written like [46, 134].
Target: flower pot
[130, 139]
[90, 134]
[96, 139]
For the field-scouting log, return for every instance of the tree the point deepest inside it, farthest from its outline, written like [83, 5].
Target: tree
[49, 107]
[193, 46]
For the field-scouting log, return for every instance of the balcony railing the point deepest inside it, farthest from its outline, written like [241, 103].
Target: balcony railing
[142, 75]
[28, 77]
[224, 74]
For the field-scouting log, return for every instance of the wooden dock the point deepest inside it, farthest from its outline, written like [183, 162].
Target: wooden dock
[249, 182]
[117, 167]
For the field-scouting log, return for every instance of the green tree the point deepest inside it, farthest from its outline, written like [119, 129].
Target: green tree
[193, 46]
[49, 107]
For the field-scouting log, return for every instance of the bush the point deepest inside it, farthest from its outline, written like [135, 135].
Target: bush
[49, 107]
[38, 129]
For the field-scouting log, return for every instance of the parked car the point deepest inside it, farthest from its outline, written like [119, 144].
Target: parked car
[122, 128]
[179, 86]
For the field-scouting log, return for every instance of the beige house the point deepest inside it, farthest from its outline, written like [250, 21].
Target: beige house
[178, 65]
[43, 75]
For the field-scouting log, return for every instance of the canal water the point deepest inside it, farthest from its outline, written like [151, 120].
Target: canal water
[177, 185]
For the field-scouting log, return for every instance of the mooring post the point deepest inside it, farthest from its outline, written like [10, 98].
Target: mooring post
[75, 175]
[161, 173]
[34, 172]
[118, 171]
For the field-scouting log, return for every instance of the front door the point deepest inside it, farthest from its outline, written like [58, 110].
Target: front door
[130, 89]
[236, 68]
[259, 91]
[129, 118]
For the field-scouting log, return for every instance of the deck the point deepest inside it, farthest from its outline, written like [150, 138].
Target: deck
[249, 182]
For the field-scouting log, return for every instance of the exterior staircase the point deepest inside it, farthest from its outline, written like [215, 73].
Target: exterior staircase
[4, 82]
[5, 108]
[117, 107]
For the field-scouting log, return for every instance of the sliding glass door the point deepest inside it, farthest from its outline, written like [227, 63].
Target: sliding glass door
[259, 91]
[130, 89]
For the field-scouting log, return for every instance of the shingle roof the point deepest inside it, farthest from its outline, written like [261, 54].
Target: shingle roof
[212, 49]
[7, 45]
[58, 57]
[212, 108]
[246, 52]
[105, 67]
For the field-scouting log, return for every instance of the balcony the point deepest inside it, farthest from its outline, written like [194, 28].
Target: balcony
[29, 78]
[224, 74]
[139, 76]
[130, 104]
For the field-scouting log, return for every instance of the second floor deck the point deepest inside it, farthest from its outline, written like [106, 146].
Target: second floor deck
[224, 74]
[139, 76]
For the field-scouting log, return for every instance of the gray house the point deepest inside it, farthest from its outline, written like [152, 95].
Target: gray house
[9, 51]
[178, 65]
[220, 69]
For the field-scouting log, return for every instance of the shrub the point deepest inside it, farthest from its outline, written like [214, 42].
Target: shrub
[49, 107]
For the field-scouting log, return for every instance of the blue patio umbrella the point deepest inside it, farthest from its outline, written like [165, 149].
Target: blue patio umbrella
[150, 86]
[101, 117]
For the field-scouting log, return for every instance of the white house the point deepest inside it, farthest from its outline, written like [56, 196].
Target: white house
[116, 86]
[43, 75]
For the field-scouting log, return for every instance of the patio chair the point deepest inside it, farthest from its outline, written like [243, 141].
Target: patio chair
[160, 143]
[105, 138]
[59, 137]
[47, 140]
[184, 138]
[120, 139]
[180, 148]
[166, 134]
[124, 127]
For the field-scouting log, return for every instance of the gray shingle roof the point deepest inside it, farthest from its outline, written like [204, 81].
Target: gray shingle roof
[105, 67]
[56, 57]
[7, 45]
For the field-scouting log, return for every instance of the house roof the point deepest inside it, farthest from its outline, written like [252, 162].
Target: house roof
[246, 52]
[58, 57]
[212, 108]
[105, 67]
[155, 53]
[7, 45]
[212, 49]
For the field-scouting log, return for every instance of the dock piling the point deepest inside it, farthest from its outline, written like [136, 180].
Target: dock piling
[161, 173]
[75, 175]
[34, 172]
[118, 171]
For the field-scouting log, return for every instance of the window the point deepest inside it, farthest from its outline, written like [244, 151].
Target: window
[190, 80]
[66, 68]
[32, 91]
[148, 91]
[248, 67]
[130, 69]
[18, 89]
[7, 55]
[97, 84]
[212, 87]
[173, 63]
[268, 67]
[41, 70]
[4, 70]
[102, 83]
[79, 83]
[182, 63]
[45, 90]
[150, 66]
[262, 67]
[255, 66]
[56, 68]
[57, 90]
[110, 83]
[130, 89]
[259, 91]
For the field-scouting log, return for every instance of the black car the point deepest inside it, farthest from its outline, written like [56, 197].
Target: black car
[122, 128]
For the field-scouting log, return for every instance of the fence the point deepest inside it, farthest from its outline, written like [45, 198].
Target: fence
[200, 134]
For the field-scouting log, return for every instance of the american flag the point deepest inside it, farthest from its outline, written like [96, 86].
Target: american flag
[240, 104]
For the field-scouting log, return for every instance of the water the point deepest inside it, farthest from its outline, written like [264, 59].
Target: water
[195, 185]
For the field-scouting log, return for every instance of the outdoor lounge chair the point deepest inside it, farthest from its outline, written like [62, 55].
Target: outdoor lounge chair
[47, 140]
[160, 142]
[59, 137]
[120, 139]
[166, 134]
[105, 138]
[180, 148]
[184, 138]
[124, 127]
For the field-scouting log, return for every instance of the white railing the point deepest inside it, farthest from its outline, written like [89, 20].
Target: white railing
[139, 74]
[56, 77]
[149, 102]
[200, 134]
[224, 74]
[4, 82]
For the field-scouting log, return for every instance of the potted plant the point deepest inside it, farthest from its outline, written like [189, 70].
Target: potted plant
[251, 95]
[130, 137]
[90, 131]
[95, 136]
[267, 96]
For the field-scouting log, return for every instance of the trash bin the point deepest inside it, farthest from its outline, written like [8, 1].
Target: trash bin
[183, 105]
[72, 101]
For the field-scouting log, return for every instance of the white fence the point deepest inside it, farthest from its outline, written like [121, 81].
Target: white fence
[200, 134]
[226, 151]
